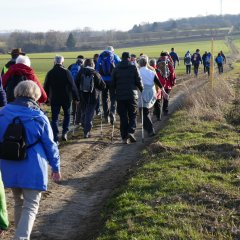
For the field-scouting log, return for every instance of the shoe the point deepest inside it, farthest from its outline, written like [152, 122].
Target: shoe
[64, 137]
[112, 118]
[125, 140]
[87, 135]
[132, 138]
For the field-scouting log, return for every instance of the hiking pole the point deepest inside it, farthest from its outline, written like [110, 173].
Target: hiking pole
[74, 118]
[142, 120]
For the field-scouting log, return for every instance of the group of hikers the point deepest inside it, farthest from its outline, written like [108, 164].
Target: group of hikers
[29, 141]
[196, 59]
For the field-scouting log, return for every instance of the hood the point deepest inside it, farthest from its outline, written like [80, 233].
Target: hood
[20, 69]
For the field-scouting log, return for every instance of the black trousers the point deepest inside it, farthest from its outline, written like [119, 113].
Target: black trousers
[166, 101]
[127, 111]
[147, 122]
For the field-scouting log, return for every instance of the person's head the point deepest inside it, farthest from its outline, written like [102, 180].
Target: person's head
[143, 61]
[163, 54]
[16, 52]
[23, 60]
[88, 63]
[197, 50]
[58, 60]
[153, 62]
[133, 57]
[95, 56]
[109, 48]
[172, 49]
[27, 89]
[126, 56]
[80, 59]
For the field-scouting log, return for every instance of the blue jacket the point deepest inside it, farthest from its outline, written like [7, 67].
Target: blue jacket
[3, 99]
[116, 61]
[32, 172]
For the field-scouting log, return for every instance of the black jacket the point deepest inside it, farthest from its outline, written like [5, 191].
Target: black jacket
[126, 81]
[99, 85]
[60, 86]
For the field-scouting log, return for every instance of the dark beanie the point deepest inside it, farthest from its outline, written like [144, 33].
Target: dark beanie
[125, 55]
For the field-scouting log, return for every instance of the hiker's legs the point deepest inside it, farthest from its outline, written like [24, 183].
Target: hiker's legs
[158, 108]
[166, 102]
[105, 100]
[26, 204]
[66, 118]
[132, 115]
[188, 69]
[113, 100]
[89, 113]
[55, 113]
[122, 112]
[147, 122]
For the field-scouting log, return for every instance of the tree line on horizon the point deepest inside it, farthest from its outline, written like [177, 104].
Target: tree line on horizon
[145, 33]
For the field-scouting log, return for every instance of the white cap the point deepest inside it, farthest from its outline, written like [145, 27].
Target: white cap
[109, 48]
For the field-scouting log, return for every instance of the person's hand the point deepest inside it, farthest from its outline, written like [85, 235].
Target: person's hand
[56, 176]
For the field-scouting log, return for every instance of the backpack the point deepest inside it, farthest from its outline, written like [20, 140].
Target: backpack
[163, 68]
[14, 146]
[106, 64]
[87, 82]
[219, 59]
[12, 82]
[74, 70]
[187, 59]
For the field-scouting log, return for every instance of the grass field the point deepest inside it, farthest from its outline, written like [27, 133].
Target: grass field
[188, 184]
[43, 62]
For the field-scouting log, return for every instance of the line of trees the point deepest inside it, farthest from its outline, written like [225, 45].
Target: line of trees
[145, 33]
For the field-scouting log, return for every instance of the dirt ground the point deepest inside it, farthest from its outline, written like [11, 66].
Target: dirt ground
[92, 169]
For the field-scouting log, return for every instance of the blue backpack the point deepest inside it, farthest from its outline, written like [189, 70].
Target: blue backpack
[106, 64]
[219, 59]
[74, 70]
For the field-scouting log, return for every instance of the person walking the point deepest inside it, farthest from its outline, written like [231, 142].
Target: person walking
[107, 61]
[167, 77]
[148, 95]
[74, 68]
[196, 60]
[20, 71]
[14, 54]
[219, 61]
[126, 82]
[89, 83]
[97, 109]
[27, 178]
[204, 58]
[61, 90]
[174, 57]
[187, 62]
[208, 63]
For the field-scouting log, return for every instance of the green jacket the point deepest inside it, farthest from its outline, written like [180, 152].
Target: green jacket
[3, 207]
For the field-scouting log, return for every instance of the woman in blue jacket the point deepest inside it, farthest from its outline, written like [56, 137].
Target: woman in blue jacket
[29, 177]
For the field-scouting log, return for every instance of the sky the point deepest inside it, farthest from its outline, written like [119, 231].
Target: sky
[67, 15]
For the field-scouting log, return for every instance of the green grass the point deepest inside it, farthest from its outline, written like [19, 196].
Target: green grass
[43, 62]
[187, 186]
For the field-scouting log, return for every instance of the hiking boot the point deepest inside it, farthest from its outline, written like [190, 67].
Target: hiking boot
[87, 135]
[132, 138]
[64, 136]
[112, 118]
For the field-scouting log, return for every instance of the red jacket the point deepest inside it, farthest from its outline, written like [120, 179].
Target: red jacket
[21, 69]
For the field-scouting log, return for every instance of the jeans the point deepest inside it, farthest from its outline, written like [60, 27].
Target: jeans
[66, 119]
[25, 211]
[127, 111]
[188, 69]
[195, 67]
[112, 94]
[87, 113]
[147, 122]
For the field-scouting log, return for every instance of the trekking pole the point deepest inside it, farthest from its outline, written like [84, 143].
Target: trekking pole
[74, 118]
[142, 120]
[112, 132]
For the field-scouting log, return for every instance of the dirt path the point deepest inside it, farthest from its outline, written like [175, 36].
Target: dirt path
[92, 169]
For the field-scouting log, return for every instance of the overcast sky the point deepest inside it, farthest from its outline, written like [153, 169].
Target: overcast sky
[65, 15]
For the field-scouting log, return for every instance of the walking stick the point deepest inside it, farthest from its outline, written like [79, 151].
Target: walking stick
[74, 118]
[142, 120]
